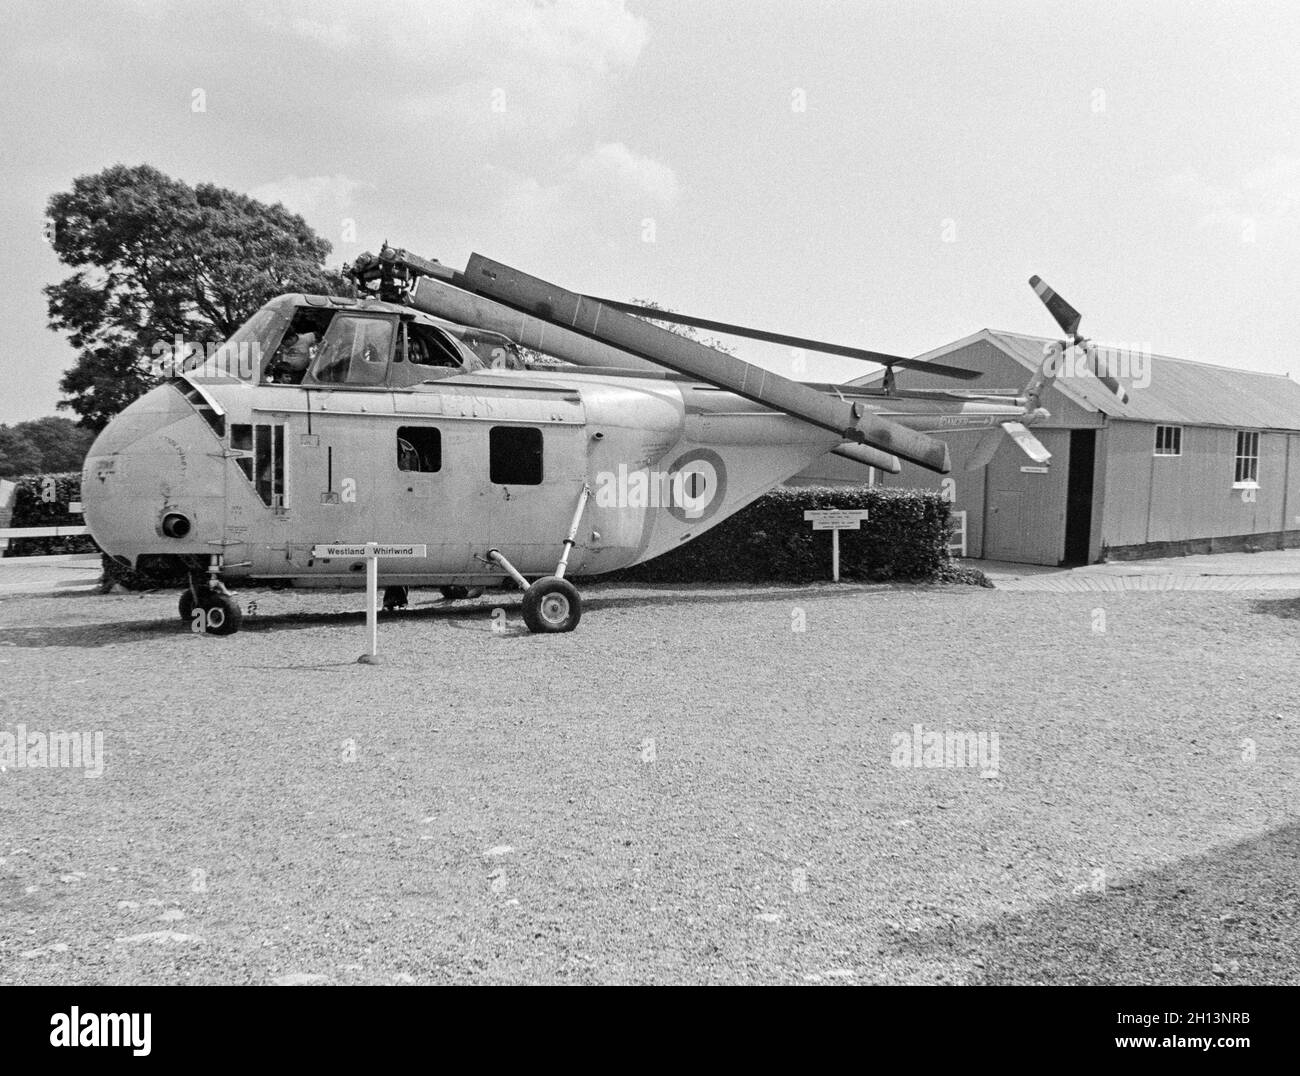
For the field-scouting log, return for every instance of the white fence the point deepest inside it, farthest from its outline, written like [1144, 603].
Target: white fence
[7, 493]
[957, 536]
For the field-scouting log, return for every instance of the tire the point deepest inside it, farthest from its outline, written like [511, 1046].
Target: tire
[552, 605]
[224, 616]
[186, 606]
[454, 594]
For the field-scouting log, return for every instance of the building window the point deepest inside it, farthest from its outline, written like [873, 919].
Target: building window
[419, 448]
[1247, 466]
[1169, 440]
[515, 454]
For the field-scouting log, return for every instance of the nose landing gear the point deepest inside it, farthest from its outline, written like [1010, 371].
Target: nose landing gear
[209, 607]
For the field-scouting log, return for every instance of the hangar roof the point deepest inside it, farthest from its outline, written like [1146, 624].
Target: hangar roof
[1180, 391]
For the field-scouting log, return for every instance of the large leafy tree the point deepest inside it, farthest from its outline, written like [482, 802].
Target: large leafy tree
[688, 331]
[60, 444]
[156, 258]
[17, 454]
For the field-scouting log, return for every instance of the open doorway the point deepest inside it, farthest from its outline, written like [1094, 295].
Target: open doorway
[1078, 497]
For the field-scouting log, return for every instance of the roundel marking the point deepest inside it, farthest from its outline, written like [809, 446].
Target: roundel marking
[699, 485]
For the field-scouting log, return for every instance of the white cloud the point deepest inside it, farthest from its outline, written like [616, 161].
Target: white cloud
[1270, 192]
[1276, 186]
[614, 169]
[441, 59]
[609, 182]
[317, 198]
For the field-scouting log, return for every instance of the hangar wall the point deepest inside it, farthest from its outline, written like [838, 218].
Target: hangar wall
[1166, 499]
[1140, 504]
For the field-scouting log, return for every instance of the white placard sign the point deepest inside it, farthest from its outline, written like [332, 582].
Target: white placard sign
[326, 551]
[835, 520]
[372, 551]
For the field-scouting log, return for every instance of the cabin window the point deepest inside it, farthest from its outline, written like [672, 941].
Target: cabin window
[419, 448]
[515, 454]
[354, 352]
[1169, 440]
[422, 345]
[1247, 462]
[263, 459]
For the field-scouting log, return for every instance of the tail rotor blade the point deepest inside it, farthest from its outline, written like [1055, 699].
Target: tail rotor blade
[1066, 316]
[1029, 444]
[1104, 377]
[1068, 319]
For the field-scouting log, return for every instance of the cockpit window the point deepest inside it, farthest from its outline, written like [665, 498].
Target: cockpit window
[243, 354]
[355, 351]
[298, 346]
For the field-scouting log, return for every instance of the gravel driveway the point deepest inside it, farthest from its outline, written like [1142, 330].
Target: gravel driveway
[686, 789]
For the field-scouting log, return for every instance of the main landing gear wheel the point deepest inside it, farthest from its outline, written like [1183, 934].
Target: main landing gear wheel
[552, 605]
[221, 613]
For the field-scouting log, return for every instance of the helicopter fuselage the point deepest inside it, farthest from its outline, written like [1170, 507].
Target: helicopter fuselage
[401, 429]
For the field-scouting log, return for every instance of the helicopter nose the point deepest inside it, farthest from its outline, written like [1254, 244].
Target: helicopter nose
[153, 481]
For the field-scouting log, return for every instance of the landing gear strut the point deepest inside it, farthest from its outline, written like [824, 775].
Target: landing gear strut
[551, 604]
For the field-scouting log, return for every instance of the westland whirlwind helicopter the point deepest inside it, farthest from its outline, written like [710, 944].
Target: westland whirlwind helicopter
[408, 415]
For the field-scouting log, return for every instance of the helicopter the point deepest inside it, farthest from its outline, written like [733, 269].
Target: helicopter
[409, 412]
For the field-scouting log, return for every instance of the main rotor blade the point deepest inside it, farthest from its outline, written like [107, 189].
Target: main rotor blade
[791, 341]
[444, 300]
[869, 457]
[1066, 316]
[852, 422]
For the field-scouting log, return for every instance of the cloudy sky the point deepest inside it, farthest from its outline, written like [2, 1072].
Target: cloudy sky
[886, 174]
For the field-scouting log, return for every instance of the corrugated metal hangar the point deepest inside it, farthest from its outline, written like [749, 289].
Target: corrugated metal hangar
[1200, 459]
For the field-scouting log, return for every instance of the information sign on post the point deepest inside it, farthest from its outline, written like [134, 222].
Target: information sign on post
[835, 520]
[371, 551]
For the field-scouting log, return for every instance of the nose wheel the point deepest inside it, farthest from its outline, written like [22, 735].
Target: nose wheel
[552, 605]
[214, 612]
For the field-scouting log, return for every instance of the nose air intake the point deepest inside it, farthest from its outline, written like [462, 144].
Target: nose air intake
[175, 525]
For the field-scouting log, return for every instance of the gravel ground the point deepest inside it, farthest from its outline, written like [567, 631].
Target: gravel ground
[686, 789]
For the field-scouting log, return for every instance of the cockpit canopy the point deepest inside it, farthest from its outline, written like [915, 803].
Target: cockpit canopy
[327, 342]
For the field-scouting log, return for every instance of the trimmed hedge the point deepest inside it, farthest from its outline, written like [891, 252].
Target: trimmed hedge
[41, 500]
[905, 536]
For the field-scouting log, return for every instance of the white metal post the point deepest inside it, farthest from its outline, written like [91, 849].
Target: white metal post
[835, 555]
[372, 599]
